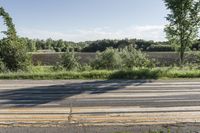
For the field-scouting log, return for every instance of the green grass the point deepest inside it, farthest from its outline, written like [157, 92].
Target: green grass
[45, 73]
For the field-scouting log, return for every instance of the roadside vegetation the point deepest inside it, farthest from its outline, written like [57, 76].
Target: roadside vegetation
[115, 59]
[13, 53]
[126, 63]
[44, 72]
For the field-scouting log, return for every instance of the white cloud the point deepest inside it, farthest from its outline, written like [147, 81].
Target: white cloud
[148, 32]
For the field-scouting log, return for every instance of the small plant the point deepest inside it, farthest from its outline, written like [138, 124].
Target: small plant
[85, 67]
[57, 67]
[168, 130]
[70, 61]
[2, 66]
[110, 59]
[133, 58]
[39, 69]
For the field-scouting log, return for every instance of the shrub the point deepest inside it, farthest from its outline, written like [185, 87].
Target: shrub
[57, 67]
[160, 47]
[134, 58]
[70, 61]
[86, 67]
[39, 69]
[14, 54]
[128, 57]
[2, 66]
[193, 55]
[109, 59]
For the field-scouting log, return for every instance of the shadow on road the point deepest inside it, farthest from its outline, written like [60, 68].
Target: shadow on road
[64, 95]
[34, 96]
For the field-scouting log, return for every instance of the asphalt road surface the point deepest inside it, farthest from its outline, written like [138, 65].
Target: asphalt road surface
[99, 103]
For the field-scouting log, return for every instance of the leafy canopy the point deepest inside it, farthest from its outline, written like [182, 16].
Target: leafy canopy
[13, 52]
[184, 18]
[11, 32]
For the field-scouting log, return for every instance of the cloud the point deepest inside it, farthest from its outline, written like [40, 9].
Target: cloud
[148, 32]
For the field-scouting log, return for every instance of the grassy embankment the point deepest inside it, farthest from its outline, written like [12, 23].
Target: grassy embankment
[47, 73]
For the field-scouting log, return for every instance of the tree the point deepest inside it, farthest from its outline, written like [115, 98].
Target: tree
[13, 52]
[184, 21]
[30, 44]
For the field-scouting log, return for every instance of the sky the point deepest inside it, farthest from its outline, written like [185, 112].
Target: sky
[82, 20]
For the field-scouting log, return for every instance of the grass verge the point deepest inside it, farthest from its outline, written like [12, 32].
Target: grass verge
[155, 73]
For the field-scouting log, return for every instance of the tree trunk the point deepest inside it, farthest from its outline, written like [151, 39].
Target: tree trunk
[182, 57]
[182, 52]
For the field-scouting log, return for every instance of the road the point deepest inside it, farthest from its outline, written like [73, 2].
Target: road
[116, 102]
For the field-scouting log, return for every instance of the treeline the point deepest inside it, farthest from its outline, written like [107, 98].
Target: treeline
[100, 45]
[34, 45]
[142, 45]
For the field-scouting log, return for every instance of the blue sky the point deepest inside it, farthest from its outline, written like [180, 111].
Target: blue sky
[81, 20]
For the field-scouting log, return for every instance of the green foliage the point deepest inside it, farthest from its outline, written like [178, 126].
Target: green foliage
[2, 66]
[30, 44]
[196, 58]
[127, 57]
[109, 59]
[168, 130]
[137, 73]
[12, 50]
[50, 44]
[11, 32]
[58, 67]
[196, 46]
[184, 21]
[14, 55]
[86, 67]
[160, 47]
[69, 61]
[39, 69]
[134, 58]
[100, 45]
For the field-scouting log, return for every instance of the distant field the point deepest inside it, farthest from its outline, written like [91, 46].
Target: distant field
[164, 58]
[52, 58]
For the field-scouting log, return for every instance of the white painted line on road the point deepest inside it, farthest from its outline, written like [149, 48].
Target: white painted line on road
[114, 95]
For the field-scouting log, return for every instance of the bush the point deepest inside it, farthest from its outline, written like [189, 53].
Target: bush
[109, 59]
[128, 57]
[70, 61]
[2, 66]
[14, 55]
[86, 67]
[160, 47]
[134, 58]
[39, 69]
[57, 67]
[193, 59]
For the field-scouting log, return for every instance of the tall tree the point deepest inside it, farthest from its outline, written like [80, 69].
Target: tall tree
[184, 18]
[13, 52]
